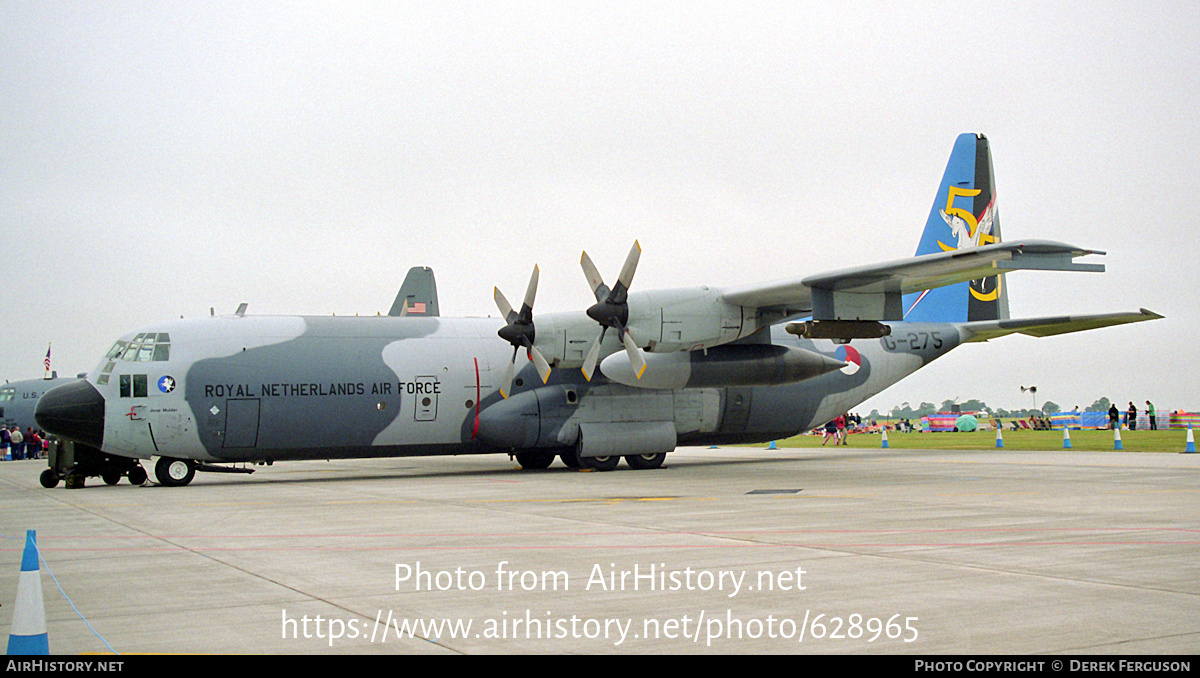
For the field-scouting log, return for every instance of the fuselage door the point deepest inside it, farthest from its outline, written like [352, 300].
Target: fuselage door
[241, 422]
[426, 398]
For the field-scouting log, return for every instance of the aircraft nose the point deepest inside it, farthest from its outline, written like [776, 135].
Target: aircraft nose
[74, 411]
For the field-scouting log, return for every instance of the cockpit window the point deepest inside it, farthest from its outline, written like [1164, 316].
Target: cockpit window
[117, 349]
[145, 347]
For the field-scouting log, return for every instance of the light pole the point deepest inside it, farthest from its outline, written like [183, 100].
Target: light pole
[1033, 390]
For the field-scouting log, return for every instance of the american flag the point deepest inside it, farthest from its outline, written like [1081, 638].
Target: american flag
[47, 362]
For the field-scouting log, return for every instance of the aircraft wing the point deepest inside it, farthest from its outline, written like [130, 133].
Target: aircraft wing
[983, 330]
[873, 292]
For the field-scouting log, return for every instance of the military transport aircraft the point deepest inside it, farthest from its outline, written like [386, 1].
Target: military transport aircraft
[18, 399]
[695, 366]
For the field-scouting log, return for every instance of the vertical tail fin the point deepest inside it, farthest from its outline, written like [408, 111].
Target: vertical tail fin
[418, 294]
[964, 214]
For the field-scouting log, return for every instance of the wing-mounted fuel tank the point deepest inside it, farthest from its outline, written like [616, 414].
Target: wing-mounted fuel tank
[731, 365]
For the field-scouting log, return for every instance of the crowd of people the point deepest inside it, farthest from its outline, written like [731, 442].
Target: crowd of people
[838, 427]
[1131, 414]
[31, 444]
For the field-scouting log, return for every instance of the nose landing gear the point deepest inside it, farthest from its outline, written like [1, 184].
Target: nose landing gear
[174, 472]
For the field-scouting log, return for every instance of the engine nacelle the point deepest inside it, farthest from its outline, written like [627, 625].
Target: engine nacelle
[736, 365]
[661, 321]
[687, 319]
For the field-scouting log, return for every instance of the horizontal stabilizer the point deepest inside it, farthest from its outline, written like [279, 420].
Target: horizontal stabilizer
[984, 330]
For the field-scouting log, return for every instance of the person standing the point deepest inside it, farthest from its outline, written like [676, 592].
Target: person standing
[1132, 417]
[1114, 417]
[33, 444]
[18, 443]
[1150, 413]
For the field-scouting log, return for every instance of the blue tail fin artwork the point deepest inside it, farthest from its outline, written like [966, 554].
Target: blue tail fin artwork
[964, 214]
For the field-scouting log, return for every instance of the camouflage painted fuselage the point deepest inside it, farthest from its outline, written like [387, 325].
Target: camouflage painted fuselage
[267, 388]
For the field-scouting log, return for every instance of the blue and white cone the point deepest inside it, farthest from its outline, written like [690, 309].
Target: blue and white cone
[1191, 442]
[1066, 438]
[1000, 435]
[885, 442]
[1117, 444]
[28, 634]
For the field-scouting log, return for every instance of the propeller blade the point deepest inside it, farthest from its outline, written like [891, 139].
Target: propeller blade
[506, 385]
[539, 361]
[506, 308]
[636, 360]
[531, 291]
[593, 356]
[630, 267]
[595, 282]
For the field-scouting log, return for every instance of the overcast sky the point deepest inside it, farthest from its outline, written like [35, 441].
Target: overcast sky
[161, 158]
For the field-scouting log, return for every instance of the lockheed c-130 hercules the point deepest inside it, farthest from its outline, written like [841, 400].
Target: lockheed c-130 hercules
[637, 374]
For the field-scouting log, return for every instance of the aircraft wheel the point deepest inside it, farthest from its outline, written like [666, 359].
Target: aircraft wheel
[174, 472]
[535, 460]
[111, 477]
[137, 475]
[645, 461]
[49, 478]
[600, 463]
[570, 458]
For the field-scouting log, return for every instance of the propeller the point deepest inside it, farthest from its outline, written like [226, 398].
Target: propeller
[519, 331]
[612, 310]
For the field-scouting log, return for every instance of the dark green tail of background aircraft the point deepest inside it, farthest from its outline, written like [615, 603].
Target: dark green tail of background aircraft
[695, 366]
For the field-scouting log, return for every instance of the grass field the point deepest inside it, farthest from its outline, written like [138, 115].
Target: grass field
[1174, 440]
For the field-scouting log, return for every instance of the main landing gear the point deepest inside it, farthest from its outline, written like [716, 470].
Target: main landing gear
[536, 460]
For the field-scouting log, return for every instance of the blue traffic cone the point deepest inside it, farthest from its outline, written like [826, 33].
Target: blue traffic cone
[1117, 444]
[1191, 441]
[772, 446]
[885, 442]
[28, 634]
[1000, 436]
[1066, 438]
